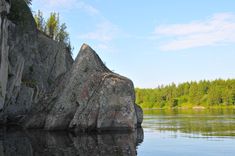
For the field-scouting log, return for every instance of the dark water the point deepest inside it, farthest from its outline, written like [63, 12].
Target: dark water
[17, 142]
[184, 133]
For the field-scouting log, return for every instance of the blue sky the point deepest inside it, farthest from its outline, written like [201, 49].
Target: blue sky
[154, 42]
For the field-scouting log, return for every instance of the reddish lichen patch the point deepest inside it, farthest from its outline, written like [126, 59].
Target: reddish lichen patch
[84, 93]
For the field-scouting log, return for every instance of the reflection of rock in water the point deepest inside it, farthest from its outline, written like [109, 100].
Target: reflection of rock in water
[106, 144]
[139, 136]
[41, 143]
[14, 143]
[51, 144]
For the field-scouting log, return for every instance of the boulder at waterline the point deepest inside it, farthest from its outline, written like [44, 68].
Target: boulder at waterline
[89, 97]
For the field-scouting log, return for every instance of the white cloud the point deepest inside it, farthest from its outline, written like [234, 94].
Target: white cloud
[103, 34]
[103, 46]
[215, 30]
[88, 8]
[67, 4]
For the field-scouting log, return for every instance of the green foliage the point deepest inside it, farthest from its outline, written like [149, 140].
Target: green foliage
[53, 29]
[39, 20]
[63, 35]
[216, 93]
[52, 25]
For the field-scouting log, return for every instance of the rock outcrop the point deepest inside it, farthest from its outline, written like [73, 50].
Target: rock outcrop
[29, 62]
[89, 97]
[42, 87]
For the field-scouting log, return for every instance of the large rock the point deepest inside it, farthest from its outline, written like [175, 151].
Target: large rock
[89, 97]
[106, 100]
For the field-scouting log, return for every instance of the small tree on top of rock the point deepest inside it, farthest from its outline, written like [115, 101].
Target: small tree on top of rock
[63, 35]
[40, 22]
[52, 25]
[53, 29]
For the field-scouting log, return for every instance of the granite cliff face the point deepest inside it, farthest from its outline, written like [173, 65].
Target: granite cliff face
[42, 87]
[29, 61]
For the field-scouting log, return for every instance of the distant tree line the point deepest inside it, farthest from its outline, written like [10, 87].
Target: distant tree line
[52, 28]
[203, 93]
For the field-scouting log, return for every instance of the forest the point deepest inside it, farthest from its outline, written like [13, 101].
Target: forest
[202, 94]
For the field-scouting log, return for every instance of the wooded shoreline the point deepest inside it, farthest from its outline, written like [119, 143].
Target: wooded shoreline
[189, 95]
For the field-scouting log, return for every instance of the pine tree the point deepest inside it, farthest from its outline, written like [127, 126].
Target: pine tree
[39, 19]
[63, 35]
[52, 25]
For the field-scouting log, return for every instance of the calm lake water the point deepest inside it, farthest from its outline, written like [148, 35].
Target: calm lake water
[188, 133]
[164, 133]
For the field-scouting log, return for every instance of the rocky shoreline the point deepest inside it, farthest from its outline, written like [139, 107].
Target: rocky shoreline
[42, 87]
